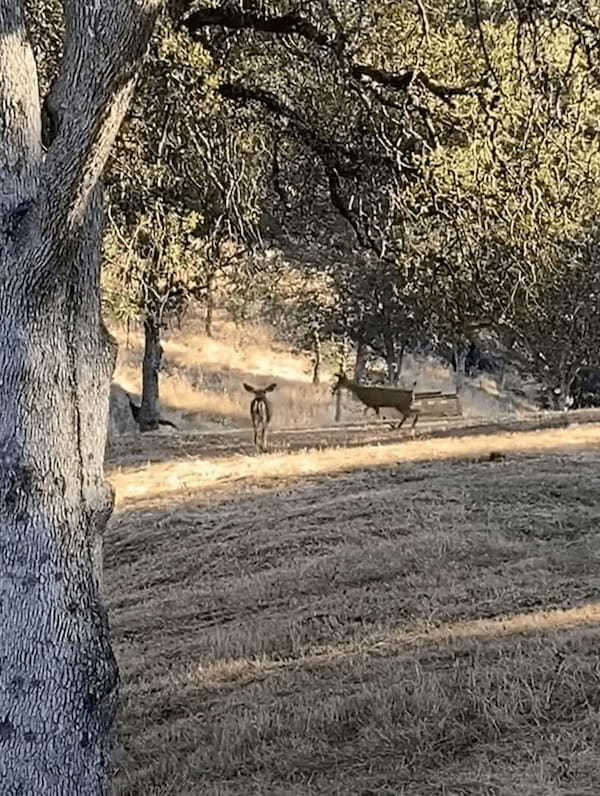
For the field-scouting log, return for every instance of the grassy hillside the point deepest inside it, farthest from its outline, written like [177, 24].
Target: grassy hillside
[202, 377]
[400, 618]
[201, 381]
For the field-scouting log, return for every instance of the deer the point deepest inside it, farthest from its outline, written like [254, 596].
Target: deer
[135, 411]
[260, 414]
[381, 397]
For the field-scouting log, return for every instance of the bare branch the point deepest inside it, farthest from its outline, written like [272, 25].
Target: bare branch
[424, 19]
[234, 18]
[237, 19]
[408, 77]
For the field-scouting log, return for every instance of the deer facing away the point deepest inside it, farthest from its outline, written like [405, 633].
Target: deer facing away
[260, 414]
[381, 397]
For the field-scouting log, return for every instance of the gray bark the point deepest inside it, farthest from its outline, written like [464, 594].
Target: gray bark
[150, 408]
[58, 676]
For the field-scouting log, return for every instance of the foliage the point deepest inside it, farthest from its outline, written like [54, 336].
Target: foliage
[458, 144]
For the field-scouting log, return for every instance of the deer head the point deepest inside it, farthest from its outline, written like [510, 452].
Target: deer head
[260, 393]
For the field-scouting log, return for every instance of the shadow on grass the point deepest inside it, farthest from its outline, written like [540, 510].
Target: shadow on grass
[299, 633]
[226, 463]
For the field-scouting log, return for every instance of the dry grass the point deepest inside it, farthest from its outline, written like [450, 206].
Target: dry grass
[394, 619]
[202, 377]
[160, 480]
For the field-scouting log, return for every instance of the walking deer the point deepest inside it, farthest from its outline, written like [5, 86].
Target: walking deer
[381, 397]
[260, 414]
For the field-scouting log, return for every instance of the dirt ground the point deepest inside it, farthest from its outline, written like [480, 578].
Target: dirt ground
[358, 612]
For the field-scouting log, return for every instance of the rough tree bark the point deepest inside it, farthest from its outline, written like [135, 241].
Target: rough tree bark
[150, 408]
[58, 676]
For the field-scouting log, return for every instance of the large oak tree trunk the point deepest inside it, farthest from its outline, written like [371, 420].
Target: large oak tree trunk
[58, 676]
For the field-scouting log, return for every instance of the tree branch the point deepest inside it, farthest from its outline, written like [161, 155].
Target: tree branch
[104, 45]
[404, 80]
[234, 18]
[337, 161]
[20, 144]
[237, 19]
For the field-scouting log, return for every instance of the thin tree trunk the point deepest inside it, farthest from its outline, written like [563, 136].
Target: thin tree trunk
[361, 361]
[316, 374]
[394, 357]
[210, 306]
[342, 362]
[153, 351]
[58, 676]
[338, 406]
[400, 360]
[460, 358]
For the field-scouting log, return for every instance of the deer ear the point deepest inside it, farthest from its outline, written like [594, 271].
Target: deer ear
[249, 388]
[271, 387]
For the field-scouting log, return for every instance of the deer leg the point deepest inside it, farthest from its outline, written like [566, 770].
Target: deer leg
[415, 420]
[256, 426]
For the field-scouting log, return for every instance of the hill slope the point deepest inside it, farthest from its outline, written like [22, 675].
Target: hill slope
[202, 379]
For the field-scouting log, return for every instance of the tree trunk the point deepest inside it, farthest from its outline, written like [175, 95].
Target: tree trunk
[338, 406]
[316, 374]
[150, 408]
[58, 693]
[400, 360]
[563, 397]
[394, 352]
[460, 359]
[342, 361]
[58, 676]
[361, 361]
[210, 306]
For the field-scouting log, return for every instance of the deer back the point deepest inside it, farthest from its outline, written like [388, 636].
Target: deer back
[383, 397]
[260, 410]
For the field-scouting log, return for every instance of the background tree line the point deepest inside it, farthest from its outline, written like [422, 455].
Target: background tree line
[446, 203]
